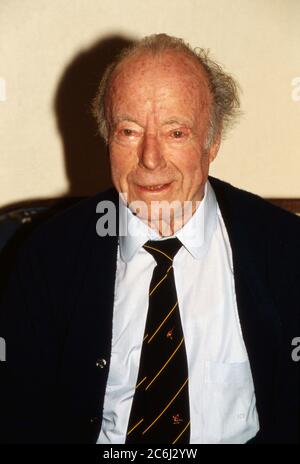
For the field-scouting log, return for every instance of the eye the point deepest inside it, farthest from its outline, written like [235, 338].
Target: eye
[127, 132]
[177, 134]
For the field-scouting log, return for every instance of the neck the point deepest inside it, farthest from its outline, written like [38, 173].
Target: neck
[167, 225]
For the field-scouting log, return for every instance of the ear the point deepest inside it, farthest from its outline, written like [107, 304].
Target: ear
[214, 148]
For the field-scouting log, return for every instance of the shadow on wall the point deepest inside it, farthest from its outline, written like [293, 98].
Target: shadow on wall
[86, 157]
[85, 154]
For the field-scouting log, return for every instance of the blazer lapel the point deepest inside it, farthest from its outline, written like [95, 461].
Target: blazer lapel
[87, 352]
[260, 328]
[257, 311]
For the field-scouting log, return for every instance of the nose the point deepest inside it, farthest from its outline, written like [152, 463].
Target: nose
[151, 156]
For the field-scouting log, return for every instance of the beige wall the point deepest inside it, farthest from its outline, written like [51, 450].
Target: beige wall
[52, 53]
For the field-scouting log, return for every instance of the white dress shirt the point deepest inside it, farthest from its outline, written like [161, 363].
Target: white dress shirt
[221, 390]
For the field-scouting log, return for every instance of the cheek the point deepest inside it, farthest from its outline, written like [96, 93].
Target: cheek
[193, 165]
[121, 166]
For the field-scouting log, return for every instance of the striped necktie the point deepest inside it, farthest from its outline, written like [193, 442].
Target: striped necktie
[160, 408]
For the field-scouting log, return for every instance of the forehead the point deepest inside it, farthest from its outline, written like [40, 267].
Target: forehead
[161, 81]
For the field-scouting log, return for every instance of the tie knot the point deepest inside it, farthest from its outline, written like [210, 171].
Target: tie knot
[163, 251]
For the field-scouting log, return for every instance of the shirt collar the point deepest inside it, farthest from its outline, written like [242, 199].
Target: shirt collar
[195, 235]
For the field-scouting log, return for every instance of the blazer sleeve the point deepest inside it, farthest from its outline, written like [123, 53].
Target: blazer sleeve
[27, 325]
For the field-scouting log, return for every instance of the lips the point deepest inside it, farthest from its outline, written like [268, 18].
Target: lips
[154, 187]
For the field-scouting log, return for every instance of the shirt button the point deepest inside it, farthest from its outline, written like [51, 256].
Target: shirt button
[101, 363]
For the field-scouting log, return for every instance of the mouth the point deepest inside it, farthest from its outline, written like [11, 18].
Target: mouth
[154, 187]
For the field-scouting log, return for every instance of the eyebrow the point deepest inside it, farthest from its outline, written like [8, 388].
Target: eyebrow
[173, 120]
[124, 117]
[180, 121]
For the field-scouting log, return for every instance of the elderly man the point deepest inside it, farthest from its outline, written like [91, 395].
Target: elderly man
[179, 328]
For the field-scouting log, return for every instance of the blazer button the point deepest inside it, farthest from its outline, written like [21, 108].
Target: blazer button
[101, 363]
[94, 420]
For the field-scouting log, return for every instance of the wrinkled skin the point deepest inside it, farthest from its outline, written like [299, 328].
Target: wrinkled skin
[158, 115]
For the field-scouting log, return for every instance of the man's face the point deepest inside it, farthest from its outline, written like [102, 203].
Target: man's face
[158, 112]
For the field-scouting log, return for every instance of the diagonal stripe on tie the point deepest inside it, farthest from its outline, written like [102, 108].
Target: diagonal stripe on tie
[162, 323]
[160, 407]
[165, 364]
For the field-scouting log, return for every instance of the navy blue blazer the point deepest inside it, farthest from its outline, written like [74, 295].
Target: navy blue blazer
[56, 318]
